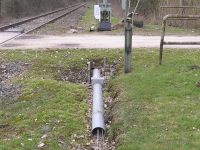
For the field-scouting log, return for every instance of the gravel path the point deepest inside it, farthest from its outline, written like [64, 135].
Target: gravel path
[94, 41]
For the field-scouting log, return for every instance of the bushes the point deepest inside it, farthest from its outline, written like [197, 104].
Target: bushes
[150, 10]
[149, 7]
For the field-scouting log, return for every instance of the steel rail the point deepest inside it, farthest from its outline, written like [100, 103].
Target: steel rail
[174, 17]
[40, 26]
[34, 18]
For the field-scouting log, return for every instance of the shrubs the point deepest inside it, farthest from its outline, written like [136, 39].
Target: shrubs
[150, 10]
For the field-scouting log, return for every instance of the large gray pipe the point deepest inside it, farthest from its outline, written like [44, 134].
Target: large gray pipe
[98, 104]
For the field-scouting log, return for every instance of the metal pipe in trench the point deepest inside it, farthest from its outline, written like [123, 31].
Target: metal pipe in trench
[98, 123]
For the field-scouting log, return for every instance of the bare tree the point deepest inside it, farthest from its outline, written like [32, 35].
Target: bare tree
[0, 8]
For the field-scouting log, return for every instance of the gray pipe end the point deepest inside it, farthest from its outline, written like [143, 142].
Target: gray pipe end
[101, 131]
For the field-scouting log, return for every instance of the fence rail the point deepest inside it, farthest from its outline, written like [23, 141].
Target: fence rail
[174, 17]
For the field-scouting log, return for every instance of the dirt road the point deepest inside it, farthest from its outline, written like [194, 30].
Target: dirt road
[90, 41]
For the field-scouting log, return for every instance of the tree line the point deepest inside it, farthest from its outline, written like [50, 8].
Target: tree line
[149, 7]
[151, 11]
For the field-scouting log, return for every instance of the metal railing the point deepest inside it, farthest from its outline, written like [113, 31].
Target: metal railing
[191, 7]
[174, 17]
[180, 9]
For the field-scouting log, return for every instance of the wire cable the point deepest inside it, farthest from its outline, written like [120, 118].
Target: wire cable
[136, 7]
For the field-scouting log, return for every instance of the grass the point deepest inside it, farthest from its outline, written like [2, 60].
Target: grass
[46, 106]
[87, 20]
[158, 108]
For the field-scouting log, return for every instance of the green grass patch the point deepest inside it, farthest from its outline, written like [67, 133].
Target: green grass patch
[47, 106]
[158, 108]
[87, 20]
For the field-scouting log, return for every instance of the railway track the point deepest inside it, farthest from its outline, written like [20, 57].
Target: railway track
[34, 23]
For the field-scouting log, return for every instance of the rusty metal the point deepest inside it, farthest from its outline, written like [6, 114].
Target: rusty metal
[174, 17]
[182, 43]
[179, 17]
[180, 7]
[189, 7]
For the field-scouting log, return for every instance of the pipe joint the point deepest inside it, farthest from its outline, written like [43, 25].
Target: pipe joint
[97, 81]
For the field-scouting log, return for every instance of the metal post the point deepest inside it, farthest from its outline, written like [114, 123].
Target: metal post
[174, 17]
[128, 46]
[124, 8]
[90, 68]
[162, 42]
[127, 8]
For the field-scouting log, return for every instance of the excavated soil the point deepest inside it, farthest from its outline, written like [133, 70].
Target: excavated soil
[194, 67]
[75, 75]
[8, 91]
[80, 75]
[198, 84]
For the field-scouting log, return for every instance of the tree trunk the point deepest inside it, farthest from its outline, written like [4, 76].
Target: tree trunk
[181, 2]
[0, 8]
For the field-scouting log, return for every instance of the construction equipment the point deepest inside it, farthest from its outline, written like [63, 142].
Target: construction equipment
[105, 16]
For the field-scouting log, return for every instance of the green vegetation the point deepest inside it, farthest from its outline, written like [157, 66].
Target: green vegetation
[88, 19]
[158, 108]
[47, 107]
